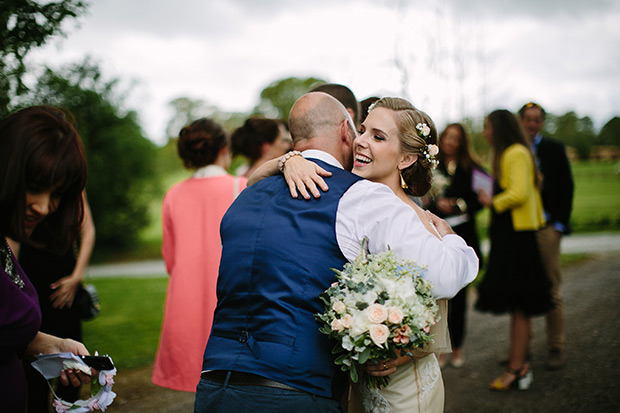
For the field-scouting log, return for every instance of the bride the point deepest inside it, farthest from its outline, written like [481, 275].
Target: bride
[396, 146]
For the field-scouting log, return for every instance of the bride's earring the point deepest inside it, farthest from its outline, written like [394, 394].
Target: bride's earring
[403, 184]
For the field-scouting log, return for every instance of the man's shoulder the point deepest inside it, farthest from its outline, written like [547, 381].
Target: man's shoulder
[549, 142]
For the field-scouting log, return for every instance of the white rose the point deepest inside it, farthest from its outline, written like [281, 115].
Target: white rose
[359, 325]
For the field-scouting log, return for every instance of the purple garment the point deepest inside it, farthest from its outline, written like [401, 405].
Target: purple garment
[20, 318]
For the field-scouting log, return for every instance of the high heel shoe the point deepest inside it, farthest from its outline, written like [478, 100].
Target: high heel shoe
[522, 379]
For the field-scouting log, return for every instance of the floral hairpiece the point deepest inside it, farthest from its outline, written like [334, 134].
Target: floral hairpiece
[429, 151]
[372, 106]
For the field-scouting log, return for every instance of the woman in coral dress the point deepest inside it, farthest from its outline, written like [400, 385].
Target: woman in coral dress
[192, 211]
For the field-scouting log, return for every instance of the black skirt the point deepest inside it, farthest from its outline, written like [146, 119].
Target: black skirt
[515, 278]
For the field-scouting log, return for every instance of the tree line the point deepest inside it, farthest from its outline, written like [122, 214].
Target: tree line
[125, 167]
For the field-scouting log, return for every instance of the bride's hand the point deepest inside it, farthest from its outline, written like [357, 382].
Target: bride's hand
[379, 368]
[303, 175]
[386, 367]
[443, 228]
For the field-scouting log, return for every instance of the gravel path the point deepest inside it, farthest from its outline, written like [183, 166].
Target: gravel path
[590, 381]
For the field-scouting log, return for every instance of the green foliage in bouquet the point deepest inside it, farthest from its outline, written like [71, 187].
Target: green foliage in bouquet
[379, 306]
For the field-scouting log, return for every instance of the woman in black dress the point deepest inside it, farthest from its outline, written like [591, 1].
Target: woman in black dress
[453, 199]
[57, 276]
[515, 281]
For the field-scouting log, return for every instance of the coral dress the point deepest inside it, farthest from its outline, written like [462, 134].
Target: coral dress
[192, 211]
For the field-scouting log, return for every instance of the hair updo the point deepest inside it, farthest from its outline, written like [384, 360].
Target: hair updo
[200, 143]
[248, 139]
[419, 175]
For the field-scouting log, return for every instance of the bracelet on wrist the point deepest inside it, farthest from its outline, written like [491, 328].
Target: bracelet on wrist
[285, 158]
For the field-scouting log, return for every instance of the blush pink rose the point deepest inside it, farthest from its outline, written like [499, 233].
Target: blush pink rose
[347, 321]
[339, 307]
[376, 313]
[379, 333]
[395, 315]
[433, 150]
[337, 325]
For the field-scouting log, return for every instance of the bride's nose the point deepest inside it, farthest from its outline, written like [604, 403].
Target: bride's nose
[361, 140]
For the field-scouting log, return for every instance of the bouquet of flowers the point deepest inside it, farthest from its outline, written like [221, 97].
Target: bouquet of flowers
[379, 305]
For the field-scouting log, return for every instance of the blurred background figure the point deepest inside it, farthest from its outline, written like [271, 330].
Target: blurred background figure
[515, 281]
[191, 215]
[453, 199]
[345, 96]
[43, 173]
[557, 199]
[259, 140]
[57, 277]
[365, 105]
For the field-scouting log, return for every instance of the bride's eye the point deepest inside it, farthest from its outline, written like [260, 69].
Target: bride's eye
[379, 138]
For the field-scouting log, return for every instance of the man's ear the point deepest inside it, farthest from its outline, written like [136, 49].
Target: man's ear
[408, 160]
[345, 136]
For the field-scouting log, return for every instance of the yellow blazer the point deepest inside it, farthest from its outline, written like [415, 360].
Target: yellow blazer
[520, 194]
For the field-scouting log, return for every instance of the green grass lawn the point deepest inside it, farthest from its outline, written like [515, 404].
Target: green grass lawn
[596, 205]
[128, 326]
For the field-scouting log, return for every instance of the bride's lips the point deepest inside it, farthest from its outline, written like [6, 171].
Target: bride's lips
[361, 160]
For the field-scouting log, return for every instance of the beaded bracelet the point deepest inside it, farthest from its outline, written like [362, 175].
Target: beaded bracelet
[285, 158]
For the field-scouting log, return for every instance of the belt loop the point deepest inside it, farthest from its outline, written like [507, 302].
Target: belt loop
[228, 375]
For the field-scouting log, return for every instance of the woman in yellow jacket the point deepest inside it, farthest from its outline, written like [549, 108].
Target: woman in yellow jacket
[515, 281]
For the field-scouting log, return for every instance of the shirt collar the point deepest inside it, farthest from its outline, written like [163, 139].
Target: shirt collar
[209, 171]
[322, 156]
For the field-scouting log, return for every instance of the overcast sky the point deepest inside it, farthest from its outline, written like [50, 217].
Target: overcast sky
[450, 58]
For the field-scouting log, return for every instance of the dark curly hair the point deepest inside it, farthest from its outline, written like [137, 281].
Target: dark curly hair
[248, 139]
[200, 143]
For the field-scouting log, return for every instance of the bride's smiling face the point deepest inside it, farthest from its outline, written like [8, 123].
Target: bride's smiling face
[377, 151]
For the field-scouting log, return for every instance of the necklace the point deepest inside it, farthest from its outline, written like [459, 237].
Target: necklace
[7, 264]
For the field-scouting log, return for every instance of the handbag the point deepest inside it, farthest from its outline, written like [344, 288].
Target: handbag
[87, 302]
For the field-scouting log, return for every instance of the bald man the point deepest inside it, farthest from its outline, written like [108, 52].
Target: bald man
[265, 348]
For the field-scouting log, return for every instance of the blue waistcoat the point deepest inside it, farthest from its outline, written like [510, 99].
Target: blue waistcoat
[277, 255]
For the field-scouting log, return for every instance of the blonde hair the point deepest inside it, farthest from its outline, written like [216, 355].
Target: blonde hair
[419, 175]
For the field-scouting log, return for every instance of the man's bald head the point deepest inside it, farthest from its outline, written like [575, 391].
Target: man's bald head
[319, 121]
[315, 114]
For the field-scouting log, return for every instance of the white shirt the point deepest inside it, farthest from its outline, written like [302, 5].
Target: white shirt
[372, 210]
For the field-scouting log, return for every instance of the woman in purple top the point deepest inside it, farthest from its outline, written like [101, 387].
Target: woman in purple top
[42, 175]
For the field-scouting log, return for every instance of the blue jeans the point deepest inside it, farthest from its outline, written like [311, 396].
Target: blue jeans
[213, 397]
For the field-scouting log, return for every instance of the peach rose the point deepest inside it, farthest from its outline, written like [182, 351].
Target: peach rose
[337, 325]
[376, 313]
[433, 150]
[379, 333]
[395, 315]
[347, 320]
[339, 307]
